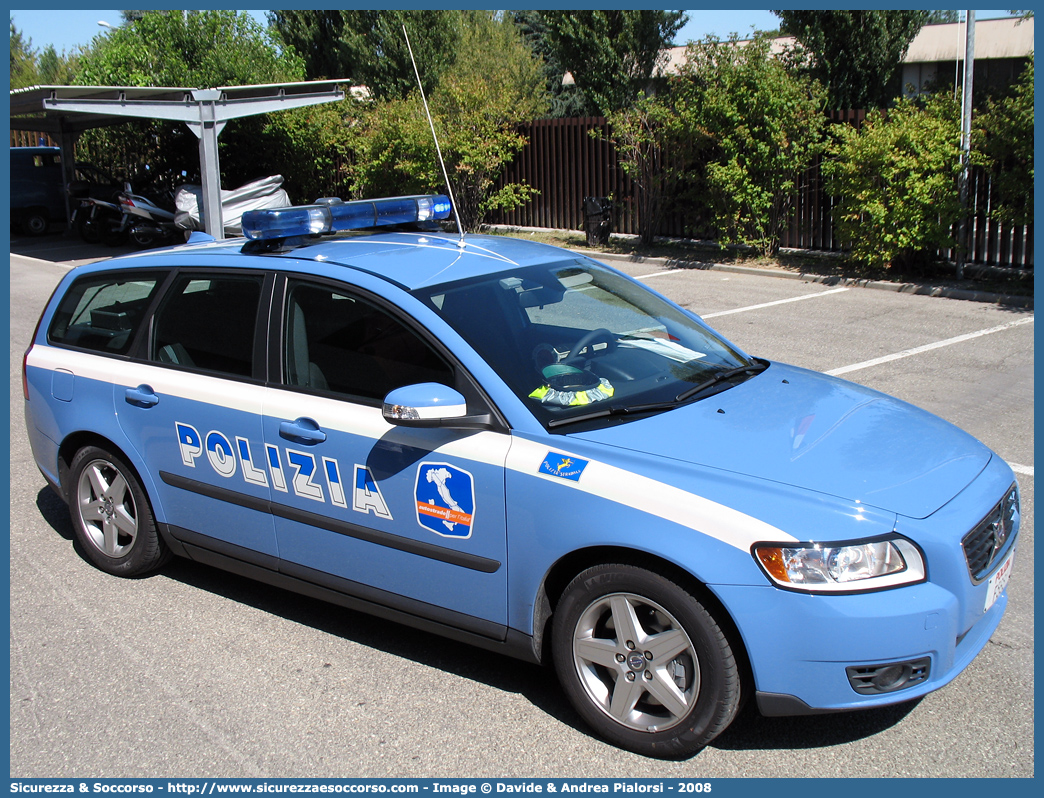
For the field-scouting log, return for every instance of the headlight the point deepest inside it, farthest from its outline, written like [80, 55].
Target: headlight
[842, 567]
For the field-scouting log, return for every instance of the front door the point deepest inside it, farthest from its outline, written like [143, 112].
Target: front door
[412, 519]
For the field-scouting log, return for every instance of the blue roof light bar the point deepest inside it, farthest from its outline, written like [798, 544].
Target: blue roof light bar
[331, 215]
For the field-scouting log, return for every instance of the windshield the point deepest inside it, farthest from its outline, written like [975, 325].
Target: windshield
[575, 340]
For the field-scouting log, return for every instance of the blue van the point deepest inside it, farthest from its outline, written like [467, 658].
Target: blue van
[37, 189]
[38, 193]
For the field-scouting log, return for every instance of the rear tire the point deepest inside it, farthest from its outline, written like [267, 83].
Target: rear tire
[35, 223]
[88, 229]
[111, 515]
[643, 662]
[143, 237]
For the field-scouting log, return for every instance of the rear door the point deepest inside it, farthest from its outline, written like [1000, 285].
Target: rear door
[193, 409]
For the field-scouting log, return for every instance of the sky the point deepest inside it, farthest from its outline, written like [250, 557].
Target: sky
[70, 28]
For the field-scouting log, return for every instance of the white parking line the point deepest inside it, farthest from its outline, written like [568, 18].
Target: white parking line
[928, 347]
[1021, 469]
[661, 273]
[770, 304]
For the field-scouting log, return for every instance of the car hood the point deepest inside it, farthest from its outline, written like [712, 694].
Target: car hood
[815, 432]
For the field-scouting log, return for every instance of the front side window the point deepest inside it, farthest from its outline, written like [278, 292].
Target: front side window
[207, 323]
[571, 338]
[103, 312]
[334, 341]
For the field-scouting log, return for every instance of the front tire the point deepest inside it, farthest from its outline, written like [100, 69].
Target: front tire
[643, 662]
[111, 515]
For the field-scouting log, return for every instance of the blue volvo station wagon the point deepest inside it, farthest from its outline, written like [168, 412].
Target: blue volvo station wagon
[522, 449]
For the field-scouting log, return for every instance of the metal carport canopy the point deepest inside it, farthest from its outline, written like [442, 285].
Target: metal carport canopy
[67, 111]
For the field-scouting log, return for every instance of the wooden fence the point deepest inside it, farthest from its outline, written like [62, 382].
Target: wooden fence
[27, 138]
[565, 162]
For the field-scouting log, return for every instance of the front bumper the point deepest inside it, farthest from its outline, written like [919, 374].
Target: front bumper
[804, 648]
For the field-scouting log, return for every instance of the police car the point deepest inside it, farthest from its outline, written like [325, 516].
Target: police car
[522, 449]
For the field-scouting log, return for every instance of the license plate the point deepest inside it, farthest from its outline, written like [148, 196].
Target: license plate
[999, 581]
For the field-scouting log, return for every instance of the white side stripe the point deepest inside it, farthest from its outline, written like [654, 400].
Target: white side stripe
[198, 387]
[650, 496]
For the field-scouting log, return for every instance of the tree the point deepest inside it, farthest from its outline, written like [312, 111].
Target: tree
[567, 100]
[612, 55]
[197, 49]
[496, 84]
[367, 46]
[759, 126]
[895, 180]
[24, 71]
[201, 49]
[855, 54]
[1004, 145]
[939, 16]
[58, 70]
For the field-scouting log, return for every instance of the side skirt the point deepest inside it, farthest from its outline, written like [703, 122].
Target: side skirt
[351, 595]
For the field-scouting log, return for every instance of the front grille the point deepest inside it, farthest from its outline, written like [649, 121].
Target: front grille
[991, 537]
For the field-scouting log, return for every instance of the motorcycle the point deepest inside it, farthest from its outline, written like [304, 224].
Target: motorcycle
[98, 221]
[147, 221]
[94, 219]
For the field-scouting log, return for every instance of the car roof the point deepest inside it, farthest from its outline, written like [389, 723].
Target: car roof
[411, 260]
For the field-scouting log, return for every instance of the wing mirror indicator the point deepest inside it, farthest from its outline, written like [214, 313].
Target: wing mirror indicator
[431, 404]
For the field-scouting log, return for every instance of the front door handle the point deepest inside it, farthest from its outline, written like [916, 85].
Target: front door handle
[303, 430]
[142, 396]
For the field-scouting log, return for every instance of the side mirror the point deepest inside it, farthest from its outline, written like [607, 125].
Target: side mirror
[431, 404]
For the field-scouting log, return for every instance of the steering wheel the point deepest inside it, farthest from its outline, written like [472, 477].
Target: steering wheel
[601, 335]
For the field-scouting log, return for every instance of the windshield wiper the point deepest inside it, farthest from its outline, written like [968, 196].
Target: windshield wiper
[617, 410]
[655, 407]
[754, 368]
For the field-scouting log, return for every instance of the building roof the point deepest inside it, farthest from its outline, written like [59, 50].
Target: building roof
[1010, 37]
[994, 38]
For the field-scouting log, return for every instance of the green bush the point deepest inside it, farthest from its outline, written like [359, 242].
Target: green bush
[759, 125]
[651, 146]
[1004, 145]
[896, 180]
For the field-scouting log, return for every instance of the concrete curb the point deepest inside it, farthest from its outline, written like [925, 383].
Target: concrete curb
[901, 288]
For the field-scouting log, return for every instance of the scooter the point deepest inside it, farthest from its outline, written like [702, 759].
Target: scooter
[147, 222]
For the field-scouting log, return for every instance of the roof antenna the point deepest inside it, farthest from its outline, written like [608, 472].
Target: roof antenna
[438, 150]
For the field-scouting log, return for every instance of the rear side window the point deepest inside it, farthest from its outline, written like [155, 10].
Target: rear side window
[103, 312]
[207, 322]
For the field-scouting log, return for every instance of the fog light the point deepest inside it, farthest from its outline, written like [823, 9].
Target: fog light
[889, 677]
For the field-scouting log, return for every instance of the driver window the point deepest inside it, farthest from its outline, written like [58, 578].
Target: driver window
[337, 342]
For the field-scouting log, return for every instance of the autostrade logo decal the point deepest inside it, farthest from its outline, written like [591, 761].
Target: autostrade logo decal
[445, 498]
[563, 466]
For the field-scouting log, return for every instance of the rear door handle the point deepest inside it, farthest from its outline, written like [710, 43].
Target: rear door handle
[302, 430]
[142, 396]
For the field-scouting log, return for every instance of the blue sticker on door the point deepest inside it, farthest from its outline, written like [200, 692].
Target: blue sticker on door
[445, 500]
